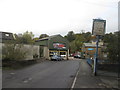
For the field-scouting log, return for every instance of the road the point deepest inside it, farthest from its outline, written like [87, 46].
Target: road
[48, 74]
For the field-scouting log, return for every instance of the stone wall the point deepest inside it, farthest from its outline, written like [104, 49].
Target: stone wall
[30, 50]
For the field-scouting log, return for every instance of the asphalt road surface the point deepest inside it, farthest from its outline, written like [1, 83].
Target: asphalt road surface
[48, 74]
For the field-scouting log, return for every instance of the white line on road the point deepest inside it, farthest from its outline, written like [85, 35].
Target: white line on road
[73, 84]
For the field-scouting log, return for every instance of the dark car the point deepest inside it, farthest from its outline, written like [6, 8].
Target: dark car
[56, 58]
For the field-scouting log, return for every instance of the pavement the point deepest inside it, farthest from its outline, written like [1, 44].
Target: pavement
[109, 78]
[86, 79]
[0, 78]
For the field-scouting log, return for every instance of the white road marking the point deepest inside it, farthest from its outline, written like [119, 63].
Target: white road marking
[73, 84]
[12, 73]
[27, 80]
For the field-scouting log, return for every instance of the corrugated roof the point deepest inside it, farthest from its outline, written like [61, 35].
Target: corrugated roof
[46, 38]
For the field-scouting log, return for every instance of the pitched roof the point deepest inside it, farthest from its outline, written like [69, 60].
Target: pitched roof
[47, 38]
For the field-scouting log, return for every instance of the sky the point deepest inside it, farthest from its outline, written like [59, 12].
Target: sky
[119, 16]
[56, 16]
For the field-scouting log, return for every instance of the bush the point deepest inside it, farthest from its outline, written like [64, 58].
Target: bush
[12, 52]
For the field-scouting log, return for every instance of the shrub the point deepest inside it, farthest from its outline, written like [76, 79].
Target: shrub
[12, 52]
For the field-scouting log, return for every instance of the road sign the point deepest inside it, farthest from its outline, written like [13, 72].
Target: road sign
[90, 49]
[98, 30]
[98, 27]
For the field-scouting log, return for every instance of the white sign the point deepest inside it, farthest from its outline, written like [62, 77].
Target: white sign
[98, 27]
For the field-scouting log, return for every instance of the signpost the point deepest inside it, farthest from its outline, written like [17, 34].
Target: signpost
[98, 30]
[118, 55]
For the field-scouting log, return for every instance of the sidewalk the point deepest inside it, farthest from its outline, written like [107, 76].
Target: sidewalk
[109, 78]
[86, 79]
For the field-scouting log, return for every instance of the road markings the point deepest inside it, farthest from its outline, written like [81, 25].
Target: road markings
[73, 84]
[12, 73]
[26, 80]
[74, 80]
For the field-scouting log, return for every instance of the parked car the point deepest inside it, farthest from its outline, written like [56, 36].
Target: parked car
[77, 56]
[56, 58]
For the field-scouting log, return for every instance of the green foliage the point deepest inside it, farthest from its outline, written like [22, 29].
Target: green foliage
[87, 36]
[77, 40]
[112, 45]
[25, 38]
[43, 36]
[108, 38]
[70, 36]
[12, 52]
[77, 43]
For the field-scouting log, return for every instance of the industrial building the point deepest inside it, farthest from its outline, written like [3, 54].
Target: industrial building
[53, 45]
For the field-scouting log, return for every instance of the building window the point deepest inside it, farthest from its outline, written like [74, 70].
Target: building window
[7, 35]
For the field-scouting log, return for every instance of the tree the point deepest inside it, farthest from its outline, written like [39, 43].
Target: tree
[87, 36]
[25, 38]
[77, 40]
[108, 38]
[43, 36]
[70, 36]
[112, 45]
[77, 43]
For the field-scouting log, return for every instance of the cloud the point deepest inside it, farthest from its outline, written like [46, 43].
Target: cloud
[55, 16]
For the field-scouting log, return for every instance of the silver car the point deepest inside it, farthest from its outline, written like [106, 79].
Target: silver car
[56, 58]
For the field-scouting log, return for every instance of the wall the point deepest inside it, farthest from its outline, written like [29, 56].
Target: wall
[0, 54]
[46, 52]
[30, 50]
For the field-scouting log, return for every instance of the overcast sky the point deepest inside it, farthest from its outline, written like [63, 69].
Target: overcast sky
[56, 16]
